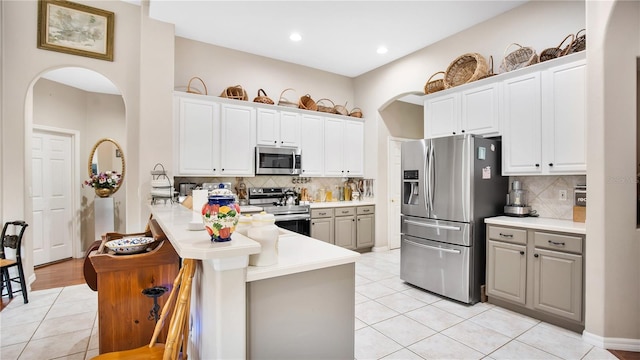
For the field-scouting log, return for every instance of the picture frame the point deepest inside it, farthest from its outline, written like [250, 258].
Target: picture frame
[75, 29]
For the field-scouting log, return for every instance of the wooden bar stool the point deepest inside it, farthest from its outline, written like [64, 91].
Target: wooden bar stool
[13, 241]
[178, 326]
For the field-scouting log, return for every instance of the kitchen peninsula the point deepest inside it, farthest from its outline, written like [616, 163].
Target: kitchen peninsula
[302, 307]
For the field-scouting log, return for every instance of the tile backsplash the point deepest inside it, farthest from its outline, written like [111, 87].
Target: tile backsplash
[312, 184]
[543, 194]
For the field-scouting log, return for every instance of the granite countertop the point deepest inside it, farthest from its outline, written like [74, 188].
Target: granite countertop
[540, 223]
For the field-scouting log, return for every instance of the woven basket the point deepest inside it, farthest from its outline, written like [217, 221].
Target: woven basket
[235, 92]
[341, 109]
[356, 112]
[466, 68]
[283, 101]
[580, 42]
[194, 90]
[434, 85]
[522, 57]
[307, 103]
[322, 105]
[263, 98]
[556, 52]
[490, 73]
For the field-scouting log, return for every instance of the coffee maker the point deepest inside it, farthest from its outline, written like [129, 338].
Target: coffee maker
[517, 201]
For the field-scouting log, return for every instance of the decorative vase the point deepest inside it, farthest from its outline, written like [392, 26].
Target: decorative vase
[103, 193]
[220, 216]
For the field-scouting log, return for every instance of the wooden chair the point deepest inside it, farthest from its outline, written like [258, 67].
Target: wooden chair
[13, 242]
[178, 326]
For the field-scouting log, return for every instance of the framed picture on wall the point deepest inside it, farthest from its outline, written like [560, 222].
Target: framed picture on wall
[76, 29]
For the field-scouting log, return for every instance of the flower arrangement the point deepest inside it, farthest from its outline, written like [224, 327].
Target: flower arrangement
[104, 180]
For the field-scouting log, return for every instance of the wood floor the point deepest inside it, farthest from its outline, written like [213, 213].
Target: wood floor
[69, 272]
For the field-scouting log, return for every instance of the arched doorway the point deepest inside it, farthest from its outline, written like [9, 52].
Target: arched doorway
[70, 109]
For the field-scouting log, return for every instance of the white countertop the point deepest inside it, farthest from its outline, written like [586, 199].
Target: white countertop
[174, 220]
[298, 253]
[249, 209]
[334, 204]
[539, 223]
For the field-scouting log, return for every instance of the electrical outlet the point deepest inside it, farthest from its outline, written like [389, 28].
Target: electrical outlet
[562, 195]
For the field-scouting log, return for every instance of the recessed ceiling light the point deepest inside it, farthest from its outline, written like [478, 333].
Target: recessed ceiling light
[295, 37]
[382, 50]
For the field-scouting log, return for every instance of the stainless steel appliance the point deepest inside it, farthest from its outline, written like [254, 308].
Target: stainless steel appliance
[278, 161]
[281, 202]
[449, 185]
[517, 201]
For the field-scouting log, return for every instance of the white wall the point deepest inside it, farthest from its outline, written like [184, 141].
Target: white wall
[613, 242]
[22, 63]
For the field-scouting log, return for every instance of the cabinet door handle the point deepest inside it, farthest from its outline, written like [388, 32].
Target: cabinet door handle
[521, 252]
[556, 243]
[454, 133]
[275, 141]
[462, 131]
[537, 165]
[506, 235]
[536, 255]
[550, 164]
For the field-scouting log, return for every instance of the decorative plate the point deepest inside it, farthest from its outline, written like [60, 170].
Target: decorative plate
[130, 245]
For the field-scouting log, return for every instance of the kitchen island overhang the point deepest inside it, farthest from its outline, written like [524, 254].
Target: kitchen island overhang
[237, 308]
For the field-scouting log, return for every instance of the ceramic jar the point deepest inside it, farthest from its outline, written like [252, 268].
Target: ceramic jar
[220, 215]
[244, 224]
[264, 230]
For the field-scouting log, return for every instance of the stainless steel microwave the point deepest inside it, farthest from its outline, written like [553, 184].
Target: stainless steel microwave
[278, 161]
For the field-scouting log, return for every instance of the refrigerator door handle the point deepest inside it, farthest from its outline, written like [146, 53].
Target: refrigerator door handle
[443, 227]
[425, 192]
[453, 251]
[432, 177]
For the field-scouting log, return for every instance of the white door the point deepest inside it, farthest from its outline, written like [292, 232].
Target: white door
[51, 196]
[393, 192]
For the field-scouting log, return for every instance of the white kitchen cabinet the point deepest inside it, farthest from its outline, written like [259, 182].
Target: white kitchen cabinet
[521, 132]
[198, 123]
[237, 140]
[564, 118]
[343, 148]
[475, 110]
[312, 145]
[278, 128]
[544, 128]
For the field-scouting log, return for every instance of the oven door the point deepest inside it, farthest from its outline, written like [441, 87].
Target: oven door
[278, 161]
[300, 224]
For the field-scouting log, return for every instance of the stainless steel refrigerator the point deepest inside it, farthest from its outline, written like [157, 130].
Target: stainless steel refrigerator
[449, 185]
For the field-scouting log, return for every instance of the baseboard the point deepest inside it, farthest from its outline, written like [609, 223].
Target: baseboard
[30, 281]
[611, 343]
[379, 248]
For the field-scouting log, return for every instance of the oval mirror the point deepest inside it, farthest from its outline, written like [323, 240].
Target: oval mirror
[107, 155]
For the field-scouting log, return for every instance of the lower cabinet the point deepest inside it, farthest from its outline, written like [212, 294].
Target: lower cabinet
[538, 273]
[322, 226]
[349, 227]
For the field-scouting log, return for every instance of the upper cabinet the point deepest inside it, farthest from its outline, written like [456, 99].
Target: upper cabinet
[278, 128]
[538, 110]
[544, 131]
[217, 137]
[343, 148]
[473, 111]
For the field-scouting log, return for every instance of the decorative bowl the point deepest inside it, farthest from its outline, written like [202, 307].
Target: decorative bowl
[129, 245]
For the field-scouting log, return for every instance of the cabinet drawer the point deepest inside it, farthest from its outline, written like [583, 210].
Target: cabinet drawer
[517, 236]
[365, 209]
[558, 242]
[344, 211]
[321, 213]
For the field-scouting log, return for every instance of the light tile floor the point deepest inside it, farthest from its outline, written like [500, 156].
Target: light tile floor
[393, 321]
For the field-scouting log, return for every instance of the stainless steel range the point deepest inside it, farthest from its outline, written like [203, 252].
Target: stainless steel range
[283, 204]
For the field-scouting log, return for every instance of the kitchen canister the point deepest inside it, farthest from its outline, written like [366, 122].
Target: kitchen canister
[264, 230]
[244, 224]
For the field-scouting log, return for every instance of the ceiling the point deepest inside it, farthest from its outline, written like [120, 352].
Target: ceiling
[340, 37]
